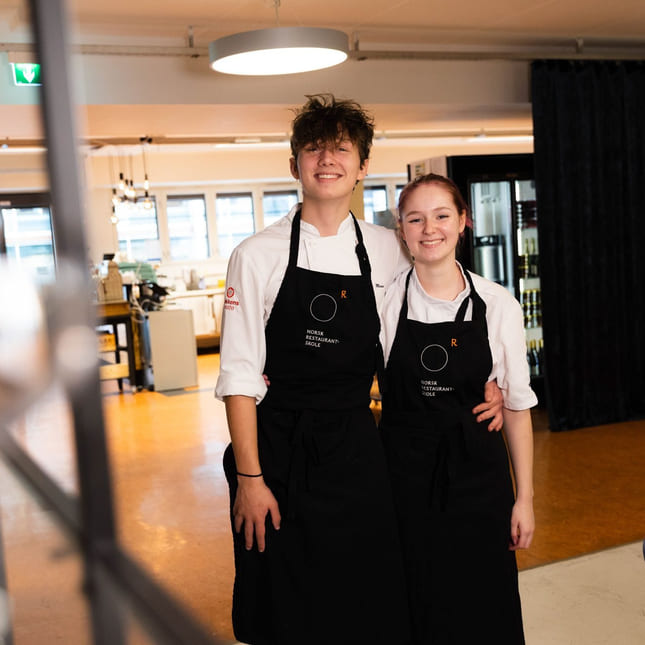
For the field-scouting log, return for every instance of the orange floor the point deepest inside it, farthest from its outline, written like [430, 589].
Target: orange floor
[172, 503]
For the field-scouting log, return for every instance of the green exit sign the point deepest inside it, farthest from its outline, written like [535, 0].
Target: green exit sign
[26, 73]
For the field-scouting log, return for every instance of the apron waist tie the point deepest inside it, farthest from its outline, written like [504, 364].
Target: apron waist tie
[459, 439]
[316, 437]
[452, 435]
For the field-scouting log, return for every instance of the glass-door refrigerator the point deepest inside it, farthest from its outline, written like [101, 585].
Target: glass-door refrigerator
[502, 244]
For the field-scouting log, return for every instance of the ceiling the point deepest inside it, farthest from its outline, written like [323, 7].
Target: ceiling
[146, 64]
[468, 21]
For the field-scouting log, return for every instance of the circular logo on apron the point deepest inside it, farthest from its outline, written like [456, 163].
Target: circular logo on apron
[323, 307]
[434, 358]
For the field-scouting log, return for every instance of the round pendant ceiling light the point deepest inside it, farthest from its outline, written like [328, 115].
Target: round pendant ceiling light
[278, 50]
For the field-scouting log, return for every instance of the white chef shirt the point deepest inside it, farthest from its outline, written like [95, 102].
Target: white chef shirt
[255, 272]
[505, 329]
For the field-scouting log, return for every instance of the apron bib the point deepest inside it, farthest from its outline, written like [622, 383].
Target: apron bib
[333, 572]
[451, 481]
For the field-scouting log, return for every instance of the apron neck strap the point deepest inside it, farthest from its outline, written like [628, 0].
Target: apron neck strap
[295, 240]
[361, 251]
[403, 314]
[461, 312]
[479, 306]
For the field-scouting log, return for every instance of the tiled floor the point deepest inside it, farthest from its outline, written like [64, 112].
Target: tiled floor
[595, 599]
[582, 582]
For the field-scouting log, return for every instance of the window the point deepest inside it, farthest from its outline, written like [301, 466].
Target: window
[374, 200]
[187, 227]
[27, 235]
[138, 230]
[277, 204]
[234, 214]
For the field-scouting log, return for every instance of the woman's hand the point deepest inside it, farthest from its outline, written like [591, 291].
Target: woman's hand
[253, 501]
[491, 408]
[522, 525]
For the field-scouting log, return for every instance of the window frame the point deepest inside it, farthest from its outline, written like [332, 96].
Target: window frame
[168, 251]
[235, 194]
[29, 200]
[276, 191]
[158, 239]
[256, 189]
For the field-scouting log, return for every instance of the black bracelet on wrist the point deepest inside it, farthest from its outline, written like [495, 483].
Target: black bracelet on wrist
[245, 475]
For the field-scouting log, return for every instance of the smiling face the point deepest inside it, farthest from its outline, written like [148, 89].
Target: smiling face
[431, 223]
[328, 170]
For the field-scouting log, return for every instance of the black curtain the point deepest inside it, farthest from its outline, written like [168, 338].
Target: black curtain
[589, 129]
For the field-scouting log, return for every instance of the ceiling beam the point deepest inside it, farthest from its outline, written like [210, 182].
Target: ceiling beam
[569, 49]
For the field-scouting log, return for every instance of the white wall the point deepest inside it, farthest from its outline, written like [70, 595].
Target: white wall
[177, 170]
[132, 96]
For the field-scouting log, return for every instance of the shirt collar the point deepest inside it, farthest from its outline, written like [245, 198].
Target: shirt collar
[312, 230]
[464, 293]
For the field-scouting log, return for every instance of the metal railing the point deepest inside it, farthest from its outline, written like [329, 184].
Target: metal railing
[112, 581]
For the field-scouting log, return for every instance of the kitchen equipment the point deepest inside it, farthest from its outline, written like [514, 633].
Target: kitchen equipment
[489, 260]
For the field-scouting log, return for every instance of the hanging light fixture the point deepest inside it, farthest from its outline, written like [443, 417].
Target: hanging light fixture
[146, 183]
[115, 197]
[122, 185]
[130, 190]
[147, 202]
[278, 50]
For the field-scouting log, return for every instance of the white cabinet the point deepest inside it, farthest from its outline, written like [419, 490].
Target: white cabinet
[207, 306]
[172, 349]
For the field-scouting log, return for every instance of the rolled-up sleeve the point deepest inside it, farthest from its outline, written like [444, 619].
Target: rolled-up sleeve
[242, 346]
[509, 352]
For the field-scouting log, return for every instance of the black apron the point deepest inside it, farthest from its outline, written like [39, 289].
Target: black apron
[451, 482]
[333, 572]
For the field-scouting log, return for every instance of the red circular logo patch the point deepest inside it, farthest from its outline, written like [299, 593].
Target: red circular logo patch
[230, 292]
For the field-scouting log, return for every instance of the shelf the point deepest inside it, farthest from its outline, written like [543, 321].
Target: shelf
[113, 314]
[526, 284]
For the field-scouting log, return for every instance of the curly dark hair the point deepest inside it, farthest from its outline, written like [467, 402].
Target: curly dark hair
[324, 118]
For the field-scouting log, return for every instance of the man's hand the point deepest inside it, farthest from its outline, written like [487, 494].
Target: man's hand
[253, 501]
[491, 408]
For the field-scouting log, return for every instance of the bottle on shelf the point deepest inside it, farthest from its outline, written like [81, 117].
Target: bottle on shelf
[526, 308]
[536, 310]
[537, 365]
[530, 359]
[526, 214]
[524, 263]
[534, 358]
[530, 300]
[531, 303]
[533, 259]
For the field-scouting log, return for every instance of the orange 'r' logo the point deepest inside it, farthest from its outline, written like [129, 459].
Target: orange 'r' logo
[453, 342]
[343, 294]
